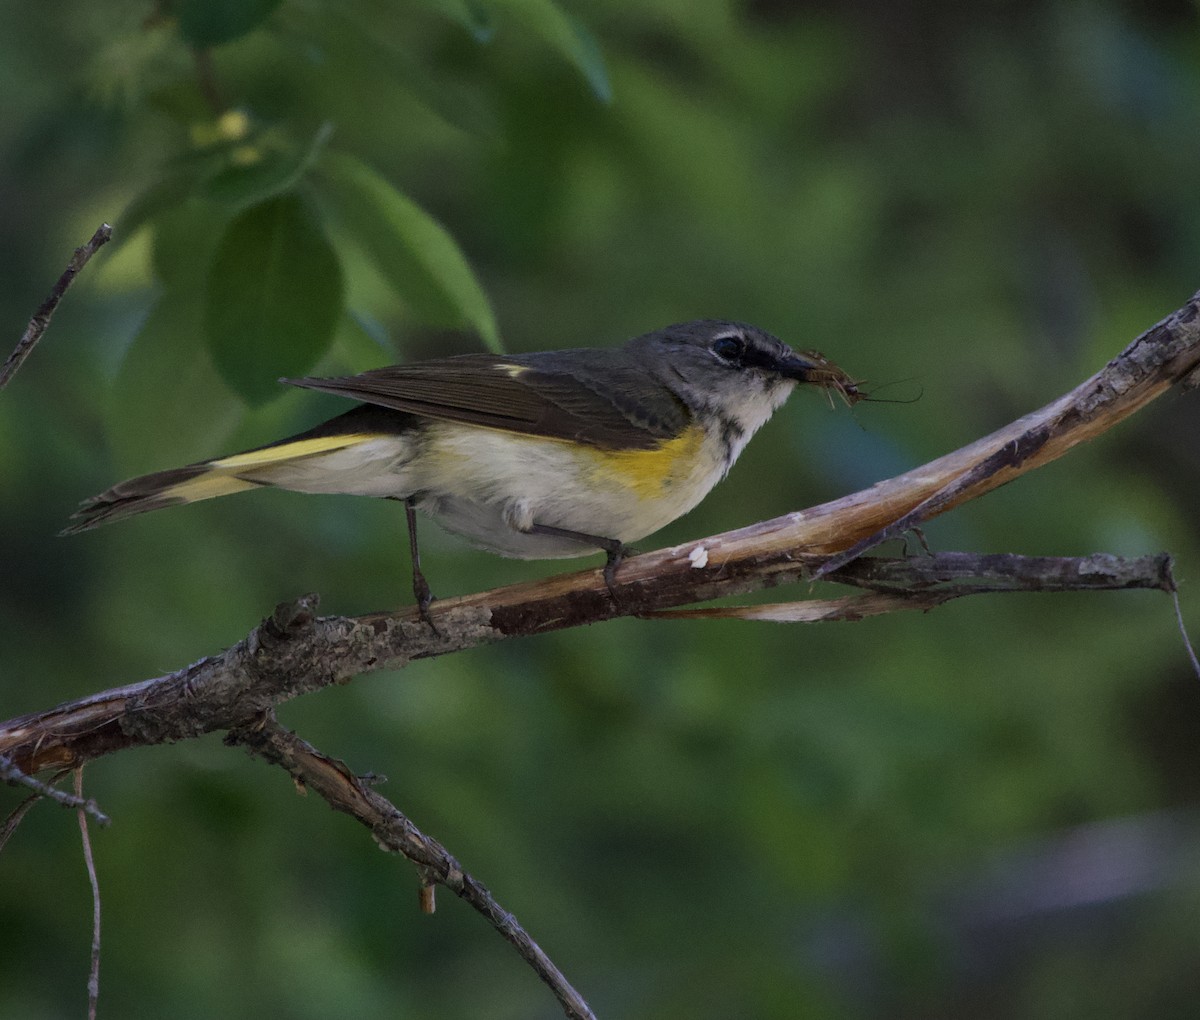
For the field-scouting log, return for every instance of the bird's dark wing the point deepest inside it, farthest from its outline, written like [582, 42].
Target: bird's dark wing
[601, 398]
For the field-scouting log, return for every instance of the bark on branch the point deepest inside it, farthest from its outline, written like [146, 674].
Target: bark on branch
[294, 652]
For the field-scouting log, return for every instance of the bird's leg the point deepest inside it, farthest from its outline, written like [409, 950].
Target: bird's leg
[421, 590]
[614, 551]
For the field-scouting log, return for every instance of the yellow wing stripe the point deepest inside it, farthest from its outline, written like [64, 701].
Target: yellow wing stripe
[289, 451]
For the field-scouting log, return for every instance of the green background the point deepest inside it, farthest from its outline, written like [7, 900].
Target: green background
[989, 810]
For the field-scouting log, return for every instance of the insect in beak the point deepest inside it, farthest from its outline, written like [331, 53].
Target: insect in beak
[820, 371]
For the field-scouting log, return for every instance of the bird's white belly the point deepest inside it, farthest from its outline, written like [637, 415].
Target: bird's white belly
[491, 486]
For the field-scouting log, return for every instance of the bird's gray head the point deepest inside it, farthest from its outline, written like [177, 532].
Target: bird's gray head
[731, 369]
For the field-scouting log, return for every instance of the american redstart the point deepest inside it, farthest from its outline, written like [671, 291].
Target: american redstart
[535, 456]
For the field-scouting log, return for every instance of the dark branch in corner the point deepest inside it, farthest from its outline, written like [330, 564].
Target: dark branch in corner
[41, 318]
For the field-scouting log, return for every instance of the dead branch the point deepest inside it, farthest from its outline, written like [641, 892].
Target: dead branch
[15, 777]
[294, 652]
[393, 831]
[41, 318]
[929, 581]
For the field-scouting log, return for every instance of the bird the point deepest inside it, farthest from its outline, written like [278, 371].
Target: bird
[536, 456]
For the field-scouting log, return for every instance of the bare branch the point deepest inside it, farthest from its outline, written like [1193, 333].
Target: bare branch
[1187, 641]
[928, 581]
[15, 777]
[393, 831]
[41, 318]
[294, 652]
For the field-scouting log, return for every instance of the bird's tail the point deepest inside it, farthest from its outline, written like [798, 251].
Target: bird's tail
[206, 480]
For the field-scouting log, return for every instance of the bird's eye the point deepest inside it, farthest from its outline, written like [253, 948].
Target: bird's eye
[728, 348]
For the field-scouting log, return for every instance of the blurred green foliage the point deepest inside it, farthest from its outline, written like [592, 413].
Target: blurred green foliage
[694, 819]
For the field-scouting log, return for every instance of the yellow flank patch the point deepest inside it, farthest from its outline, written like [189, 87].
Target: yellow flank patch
[290, 451]
[513, 371]
[650, 473]
[207, 486]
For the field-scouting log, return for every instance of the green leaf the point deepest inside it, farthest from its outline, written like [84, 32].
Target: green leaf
[169, 406]
[273, 297]
[206, 23]
[473, 15]
[361, 345]
[413, 252]
[364, 47]
[566, 34]
[177, 193]
[185, 237]
[161, 197]
[175, 190]
[267, 167]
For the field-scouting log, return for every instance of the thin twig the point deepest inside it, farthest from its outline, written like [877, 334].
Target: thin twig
[14, 819]
[14, 776]
[41, 318]
[1187, 642]
[393, 830]
[93, 985]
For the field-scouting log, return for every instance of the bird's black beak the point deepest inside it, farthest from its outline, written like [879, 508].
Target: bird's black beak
[799, 367]
[792, 365]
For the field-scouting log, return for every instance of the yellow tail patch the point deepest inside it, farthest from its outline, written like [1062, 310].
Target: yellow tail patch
[289, 451]
[207, 486]
[221, 478]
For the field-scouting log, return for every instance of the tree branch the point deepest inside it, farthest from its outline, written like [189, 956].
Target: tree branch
[15, 777]
[926, 582]
[393, 831]
[41, 318]
[294, 652]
